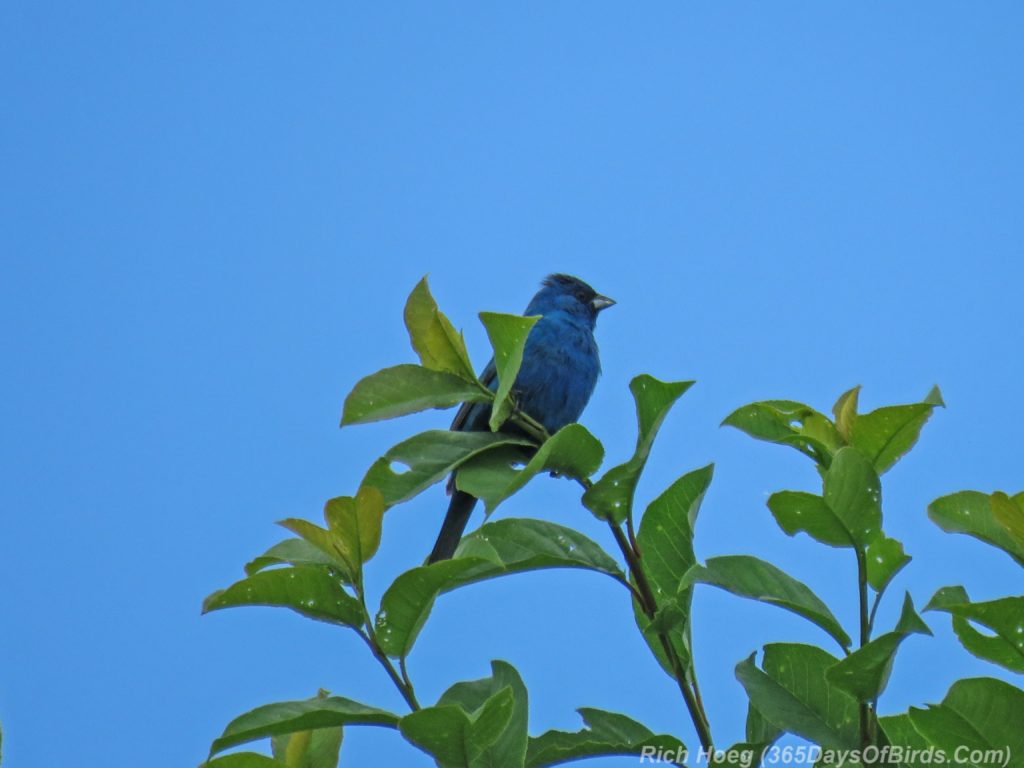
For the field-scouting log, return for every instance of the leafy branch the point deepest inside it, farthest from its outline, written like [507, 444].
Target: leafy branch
[796, 688]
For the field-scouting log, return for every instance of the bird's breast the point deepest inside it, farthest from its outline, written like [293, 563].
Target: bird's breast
[558, 374]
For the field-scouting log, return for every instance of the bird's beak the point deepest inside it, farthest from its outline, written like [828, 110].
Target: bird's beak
[600, 302]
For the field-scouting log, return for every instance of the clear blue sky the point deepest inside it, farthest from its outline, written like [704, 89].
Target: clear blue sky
[210, 216]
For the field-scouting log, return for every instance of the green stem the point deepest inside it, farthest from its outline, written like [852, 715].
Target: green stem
[533, 428]
[404, 687]
[632, 535]
[865, 636]
[644, 596]
[405, 676]
[649, 605]
[874, 609]
[402, 682]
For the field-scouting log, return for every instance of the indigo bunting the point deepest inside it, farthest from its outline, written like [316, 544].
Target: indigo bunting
[557, 376]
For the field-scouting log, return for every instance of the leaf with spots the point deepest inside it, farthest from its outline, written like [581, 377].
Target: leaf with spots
[865, 672]
[309, 590]
[1004, 617]
[428, 458]
[887, 434]
[293, 552]
[793, 694]
[797, 511]
[978, 713]
[787, 422]
[665, 540]
[493, 476]
[611, 497]
[884, 558]
[972, 512]
[405, 389]
[853, 493]
[495, 549]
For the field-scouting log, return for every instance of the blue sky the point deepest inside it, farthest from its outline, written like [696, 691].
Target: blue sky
[212, 213]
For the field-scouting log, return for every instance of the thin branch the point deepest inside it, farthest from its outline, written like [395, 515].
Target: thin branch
[402, 682]
[404, 687]
[874, 609]
[644, 596]
[864, 710]
[650, 607]
[533, 428]
[632, 535]
[405, 676]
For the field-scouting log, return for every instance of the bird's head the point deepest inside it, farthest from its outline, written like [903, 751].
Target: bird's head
[568, 294]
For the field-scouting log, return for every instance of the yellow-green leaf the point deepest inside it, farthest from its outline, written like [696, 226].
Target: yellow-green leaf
[439, 345]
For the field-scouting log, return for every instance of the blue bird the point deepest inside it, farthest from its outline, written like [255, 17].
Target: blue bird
[557, 376]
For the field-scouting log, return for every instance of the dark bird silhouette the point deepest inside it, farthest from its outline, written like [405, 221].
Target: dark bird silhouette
[557, 376]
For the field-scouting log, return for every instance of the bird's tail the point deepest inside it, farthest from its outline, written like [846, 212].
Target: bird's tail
[459, 510]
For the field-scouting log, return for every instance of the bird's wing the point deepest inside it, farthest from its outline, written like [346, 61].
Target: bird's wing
[463, 420]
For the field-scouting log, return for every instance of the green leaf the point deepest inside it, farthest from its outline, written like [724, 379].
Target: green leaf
[488, 724]
[492, 476]
[439, 345]
[291, 552]
[788, 422]
[845, 411]
[671, 615]
[322, 540]
[971, 512]
[406, 604]
[853, 492]
[455, 738]
[522, 544]
[293, 716]
[244, 760]
[429, 457]
[884, 558]
[978, 713]
[611, 497]
[900, 732]
[352, 536]
[757, 729]
[887, 434]
[508, 750]
[440, 731]
[665, 539]
[309, 749]
[1009, 513]
[495, 549]
[793, 694]
[605, 734]
[865, 672]
[797, 511]
[305, 589]
[750, 577]
[508, 335]
[1004, 617]
[406, 389]
[355, 524]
